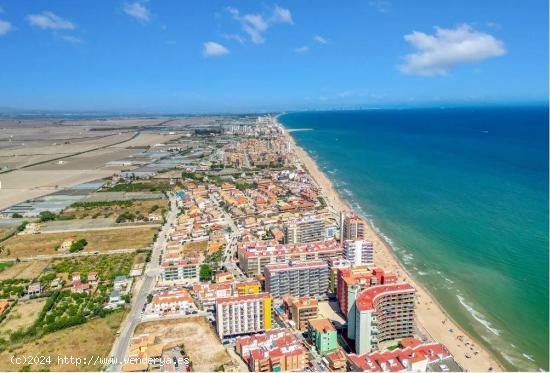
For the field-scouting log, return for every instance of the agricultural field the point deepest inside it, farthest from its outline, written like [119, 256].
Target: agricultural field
[199, 340]
[12, 288]
[113, 209]
[23, 270]
[22, 315]
[22, 246]
[107, 266]
[62, 309]
[93, 338]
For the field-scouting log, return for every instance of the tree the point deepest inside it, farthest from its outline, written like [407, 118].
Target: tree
[78, 245]
[205, 273]
[47, 216]
[16, 215]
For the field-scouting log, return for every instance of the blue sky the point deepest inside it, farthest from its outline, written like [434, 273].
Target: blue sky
[219, 56]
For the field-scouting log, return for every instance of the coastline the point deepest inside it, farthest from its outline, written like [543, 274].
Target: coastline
[431, 317]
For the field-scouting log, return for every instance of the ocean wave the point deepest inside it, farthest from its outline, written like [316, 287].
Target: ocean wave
[509, 358]
[528, 357]
[478, 316]
[420, 273]
[347, 192]
[448, 280]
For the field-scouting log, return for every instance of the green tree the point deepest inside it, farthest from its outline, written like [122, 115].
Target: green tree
[205, 273]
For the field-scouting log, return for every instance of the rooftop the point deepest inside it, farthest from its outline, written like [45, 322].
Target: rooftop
[366, 300]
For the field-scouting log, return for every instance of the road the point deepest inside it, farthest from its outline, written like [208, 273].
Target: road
[230, 248]
[120, 347]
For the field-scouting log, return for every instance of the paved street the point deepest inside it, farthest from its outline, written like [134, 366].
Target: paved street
[120, 347]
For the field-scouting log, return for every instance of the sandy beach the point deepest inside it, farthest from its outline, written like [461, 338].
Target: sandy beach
[431, 317]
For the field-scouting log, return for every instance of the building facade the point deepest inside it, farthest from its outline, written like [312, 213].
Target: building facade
[352, 227]
[243, 314]
[254, 256]
[323, 335]
[180, 271]
[298, 279]
[359, 252]
[307, 230]
[384, 312]
[300, 310]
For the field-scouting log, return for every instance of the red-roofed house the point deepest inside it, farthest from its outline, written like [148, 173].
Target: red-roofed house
[275, 350]
[415, 357]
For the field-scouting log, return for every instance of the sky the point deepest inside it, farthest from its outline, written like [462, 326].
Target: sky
[195, 56]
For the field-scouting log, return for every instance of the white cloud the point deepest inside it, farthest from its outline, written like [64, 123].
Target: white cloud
[213, 49]
[382, 6]
[5, 27]
[138, 11]
[302, 49]
[319, 39]
[49, 20]
[256, 24]
[436, 54]
[235, 37]
[281, 15]
[71, 39]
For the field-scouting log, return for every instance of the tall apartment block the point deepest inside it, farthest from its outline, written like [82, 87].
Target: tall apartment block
[352, 227]
[359, 252]
[243, 314]
[310, 229]
[384, 312]
[298, 279]
[253, 256]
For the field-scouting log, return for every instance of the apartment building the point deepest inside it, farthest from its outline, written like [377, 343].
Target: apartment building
[333, 265]
[297, 278]
[300, 310]
[352, 280]
[359, 252]
[207, 293]
[352, 227]
[306, 230]
[276, 350]
[243, 314]
[384, 312]
[174, 300]
[253, 256]
[323, 335]
[180, 271]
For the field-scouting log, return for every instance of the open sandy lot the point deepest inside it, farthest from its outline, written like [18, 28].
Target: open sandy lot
[21, 185]
[24, 270]
[199, 340]
[22, 315]
[90, 340]
[23, 246]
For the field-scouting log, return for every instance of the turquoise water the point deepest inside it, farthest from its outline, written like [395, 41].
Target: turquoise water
[462, 195]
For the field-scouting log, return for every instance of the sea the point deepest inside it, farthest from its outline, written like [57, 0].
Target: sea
[461, 194]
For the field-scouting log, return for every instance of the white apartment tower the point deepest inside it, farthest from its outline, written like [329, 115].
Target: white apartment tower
[359, 252]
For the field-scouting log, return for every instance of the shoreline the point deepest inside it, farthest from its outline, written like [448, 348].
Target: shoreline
[431, 317]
